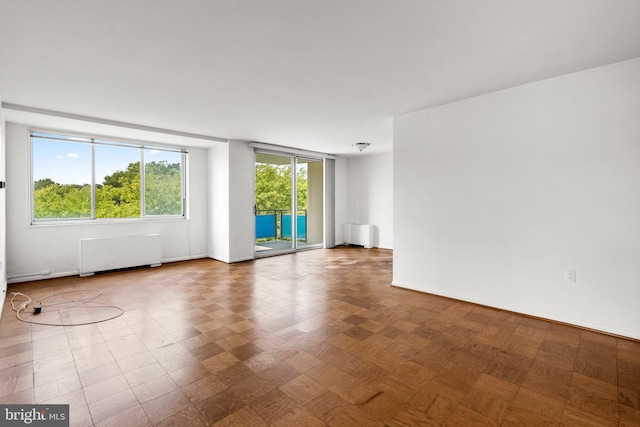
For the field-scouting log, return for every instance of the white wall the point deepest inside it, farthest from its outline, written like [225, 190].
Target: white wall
[241, 200]
[3, 215]
[496, 196]
[218, 176]
[370, 195]
[341, 198]
[54, 249]
[315, 202]
[232, 222]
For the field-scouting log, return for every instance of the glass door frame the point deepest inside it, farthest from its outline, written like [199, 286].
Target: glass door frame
[310, 216]
[293, 208]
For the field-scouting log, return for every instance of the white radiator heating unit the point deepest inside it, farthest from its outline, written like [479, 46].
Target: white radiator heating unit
[112, 253]
[359, 234]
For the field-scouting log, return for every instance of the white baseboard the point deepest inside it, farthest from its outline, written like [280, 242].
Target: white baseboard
[39, 276]
[242, 259]
[185, 258]
[219, 258]
[527, 312]
[228, 260]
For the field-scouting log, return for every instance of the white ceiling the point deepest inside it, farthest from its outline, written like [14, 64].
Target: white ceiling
[317, 75]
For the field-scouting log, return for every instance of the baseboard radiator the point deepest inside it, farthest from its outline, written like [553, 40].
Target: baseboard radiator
[112, 253]
[358, 234]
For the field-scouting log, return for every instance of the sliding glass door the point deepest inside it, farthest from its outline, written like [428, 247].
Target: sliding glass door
[274, 204]
[283, 222]
[309, 186]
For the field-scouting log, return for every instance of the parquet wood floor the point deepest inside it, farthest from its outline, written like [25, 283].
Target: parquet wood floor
[311, 339]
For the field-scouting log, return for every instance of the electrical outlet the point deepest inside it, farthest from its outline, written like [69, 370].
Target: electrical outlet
[570, 276]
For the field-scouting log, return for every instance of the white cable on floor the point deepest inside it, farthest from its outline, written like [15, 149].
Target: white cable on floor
[76, 303]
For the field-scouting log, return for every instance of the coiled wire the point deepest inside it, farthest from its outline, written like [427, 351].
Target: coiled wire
[88, 302]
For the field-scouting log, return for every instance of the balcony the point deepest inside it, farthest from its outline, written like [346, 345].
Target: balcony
[274, 229]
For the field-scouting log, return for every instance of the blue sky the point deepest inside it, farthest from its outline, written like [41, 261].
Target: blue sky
[70, 163]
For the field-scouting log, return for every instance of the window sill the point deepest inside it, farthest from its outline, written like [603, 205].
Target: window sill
[103, 221]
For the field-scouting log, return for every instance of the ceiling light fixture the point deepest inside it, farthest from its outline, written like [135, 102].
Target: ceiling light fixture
[361, 145]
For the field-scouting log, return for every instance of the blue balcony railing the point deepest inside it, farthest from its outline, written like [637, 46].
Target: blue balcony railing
[275, 224]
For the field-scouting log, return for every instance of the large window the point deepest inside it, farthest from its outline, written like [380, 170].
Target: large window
[83, 178]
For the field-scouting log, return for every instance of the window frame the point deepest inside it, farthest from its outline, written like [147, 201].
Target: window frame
[94, 140]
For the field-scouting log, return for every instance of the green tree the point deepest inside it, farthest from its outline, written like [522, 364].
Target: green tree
[273, 187]
[62, 201]
[302, 185]
[162, 188]
[41, 183]
[119, 196]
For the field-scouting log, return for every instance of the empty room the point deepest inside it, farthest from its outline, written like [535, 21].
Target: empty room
[309, 213]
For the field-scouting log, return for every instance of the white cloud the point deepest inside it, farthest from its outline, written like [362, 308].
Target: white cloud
[72, 156]
[154, 152]
[59, 156]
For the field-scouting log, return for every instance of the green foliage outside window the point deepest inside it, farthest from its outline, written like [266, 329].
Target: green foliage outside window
[162, 188]
[117, 197]
[273, 187]
[52, 200]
